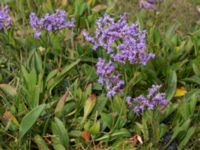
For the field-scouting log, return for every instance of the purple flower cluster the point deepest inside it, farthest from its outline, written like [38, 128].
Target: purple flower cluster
[124, 42]
[50, 22]
[153, 99]
[149, 4]
[109, 77]
[5, 19]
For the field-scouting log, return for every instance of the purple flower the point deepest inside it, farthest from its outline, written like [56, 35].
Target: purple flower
[149, 4]
[5, 19]
[153, 100]
[123, 42]
[50, 22]
[109, 77]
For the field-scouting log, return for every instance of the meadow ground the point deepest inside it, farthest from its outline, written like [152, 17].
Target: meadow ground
[99, 75]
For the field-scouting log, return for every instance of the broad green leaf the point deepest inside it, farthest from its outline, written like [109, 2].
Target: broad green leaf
[29, 119]
[171, 85]
[25, 74]
[75, 133]
[59, 130]
[107, 119]
[56, 43]
[40, 142]
[30, 78]
[100, 103]
[60, 76]
[172, 29]
[52, 74]
[38, 62]
[57, 143]
[95, 128]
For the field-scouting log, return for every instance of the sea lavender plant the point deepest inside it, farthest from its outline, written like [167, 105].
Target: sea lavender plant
[50, 22]
[153, 100]
[123, 42]
[149, 4]
[5, 19]
[109, 77]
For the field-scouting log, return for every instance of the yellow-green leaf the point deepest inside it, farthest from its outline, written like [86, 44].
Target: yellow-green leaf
[7, 89]
[40, 143]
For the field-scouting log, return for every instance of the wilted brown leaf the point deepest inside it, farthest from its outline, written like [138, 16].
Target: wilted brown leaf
[99, 7]
[135, 140]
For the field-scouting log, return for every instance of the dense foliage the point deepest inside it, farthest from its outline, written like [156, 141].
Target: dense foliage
[99, 74]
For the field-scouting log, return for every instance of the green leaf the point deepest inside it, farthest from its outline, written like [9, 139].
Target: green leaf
[178, 129]
[122, 133]
[187, 137]
[57, 143]
[192, 104]
[137, 77]
[172, 83]
[38, 62]
[95, 128]
[196, 70]
[163, 130]
[107, 119]
[100, 103]
[59, 130]
[80, 7]
[56, 42]
[33, 86]
[59, 76]
[194, 79]
[52, 74]
[69, 67]
[40, 143]
[29, 120]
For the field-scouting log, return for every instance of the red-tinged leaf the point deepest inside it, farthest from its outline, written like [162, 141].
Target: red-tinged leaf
[61, 102]
[86, 135]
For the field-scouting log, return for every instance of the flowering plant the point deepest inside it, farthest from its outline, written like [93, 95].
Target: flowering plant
[5, 19]
[124, 43]
[50, 22]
